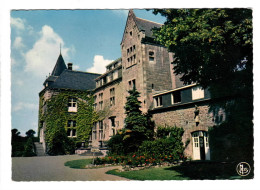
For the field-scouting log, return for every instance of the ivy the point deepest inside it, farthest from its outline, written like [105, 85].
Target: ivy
[54, 112]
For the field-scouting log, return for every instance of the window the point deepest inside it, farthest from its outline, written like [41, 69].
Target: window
[71, 128]
[197, 93]
[176, 97]
[131, 33]
[101, 134]
[158, 101]
[113, 125]
[112, 96]
[101, 105]
[94, 131]
[131, 84]
[72, 105]
[151, 56]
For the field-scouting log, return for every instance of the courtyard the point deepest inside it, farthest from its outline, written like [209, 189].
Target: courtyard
[51, 168]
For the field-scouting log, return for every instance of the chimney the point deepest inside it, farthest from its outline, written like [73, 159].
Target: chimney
[70, 66]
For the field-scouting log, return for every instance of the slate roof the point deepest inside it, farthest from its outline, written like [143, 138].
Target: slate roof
[75, 80]
[59, 67]
[146, 26]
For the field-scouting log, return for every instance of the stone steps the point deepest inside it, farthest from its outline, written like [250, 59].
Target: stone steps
[39, 149]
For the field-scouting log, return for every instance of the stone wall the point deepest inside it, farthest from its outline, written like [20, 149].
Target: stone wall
[183, 116]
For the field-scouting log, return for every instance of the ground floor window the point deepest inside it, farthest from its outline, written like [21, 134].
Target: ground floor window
[201, 149]
[71, 128]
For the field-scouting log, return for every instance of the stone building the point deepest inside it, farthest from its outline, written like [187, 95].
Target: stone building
[148, 66]
[64, 79]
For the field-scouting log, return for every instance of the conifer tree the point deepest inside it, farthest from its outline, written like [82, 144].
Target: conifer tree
[136, 124]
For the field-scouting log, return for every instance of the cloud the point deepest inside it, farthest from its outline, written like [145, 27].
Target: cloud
[75, 67]
[18, 43]
[23, 105]
[40, 60]
[99, 65]
[18, 23]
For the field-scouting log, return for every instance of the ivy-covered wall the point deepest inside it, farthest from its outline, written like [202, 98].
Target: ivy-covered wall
[53, 112]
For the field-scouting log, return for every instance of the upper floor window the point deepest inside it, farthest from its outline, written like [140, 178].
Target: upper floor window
[112, 96]
[151, 56]
[197, 93]
[158, 101]
[176, 97]
[72, 105]
[131, 84]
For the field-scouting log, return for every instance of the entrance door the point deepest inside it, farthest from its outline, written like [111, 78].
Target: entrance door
[200, 145]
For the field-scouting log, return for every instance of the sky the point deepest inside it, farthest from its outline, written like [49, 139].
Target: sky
[90, 39]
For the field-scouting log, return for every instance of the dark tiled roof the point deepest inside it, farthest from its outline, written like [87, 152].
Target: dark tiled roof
[75, 80]
[59, 67]
[146, 26]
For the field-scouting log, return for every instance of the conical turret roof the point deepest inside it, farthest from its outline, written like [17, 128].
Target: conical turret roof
[59, 67]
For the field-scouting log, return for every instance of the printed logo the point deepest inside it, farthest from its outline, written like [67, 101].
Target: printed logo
[243, 169]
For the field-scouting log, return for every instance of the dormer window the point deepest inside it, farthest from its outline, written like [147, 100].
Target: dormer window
[72, 105]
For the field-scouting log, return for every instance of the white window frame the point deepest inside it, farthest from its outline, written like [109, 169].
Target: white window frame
[158, 101]
[72, 105]
[72, 126]
[197, 93]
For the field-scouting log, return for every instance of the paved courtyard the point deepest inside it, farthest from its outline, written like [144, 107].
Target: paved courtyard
[51, 168]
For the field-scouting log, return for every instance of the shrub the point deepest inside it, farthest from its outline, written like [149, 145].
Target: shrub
[29, 149]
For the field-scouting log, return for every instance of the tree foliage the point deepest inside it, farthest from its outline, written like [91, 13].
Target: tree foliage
[30, 133]
[138, 128]
[210, 46]
[214, 48]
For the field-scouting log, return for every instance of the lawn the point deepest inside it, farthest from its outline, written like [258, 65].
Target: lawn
[150, 174]
[189, 171]
[79, 164]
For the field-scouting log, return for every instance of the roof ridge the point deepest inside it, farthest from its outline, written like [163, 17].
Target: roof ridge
[149, 20]
[83, 72]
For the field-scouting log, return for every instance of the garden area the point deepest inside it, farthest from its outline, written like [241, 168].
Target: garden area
[143, 153]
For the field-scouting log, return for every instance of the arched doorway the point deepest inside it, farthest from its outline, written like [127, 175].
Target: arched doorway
[201, 149]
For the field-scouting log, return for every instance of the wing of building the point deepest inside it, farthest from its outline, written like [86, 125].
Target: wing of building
[147, 66]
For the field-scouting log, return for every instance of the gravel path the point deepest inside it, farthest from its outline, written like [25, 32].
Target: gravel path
[51, 168]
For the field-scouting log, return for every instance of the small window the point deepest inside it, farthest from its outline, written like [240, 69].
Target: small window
[131, 33]
[176, 97]
[151, 56]
[158, 101]
[72, 105]
[197, 93]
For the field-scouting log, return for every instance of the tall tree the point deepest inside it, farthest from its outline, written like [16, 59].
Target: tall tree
[138, 127]
[214, 48]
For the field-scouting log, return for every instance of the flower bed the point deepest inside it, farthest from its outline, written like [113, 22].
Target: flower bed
[138, 161]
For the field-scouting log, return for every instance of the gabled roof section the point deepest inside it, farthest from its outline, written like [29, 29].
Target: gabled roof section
[59, 67]
[146, 26]
[75, 80]
[143, 25]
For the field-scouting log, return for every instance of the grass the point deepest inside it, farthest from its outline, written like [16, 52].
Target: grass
[190, 171]
[79, 164]
[150, 174]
